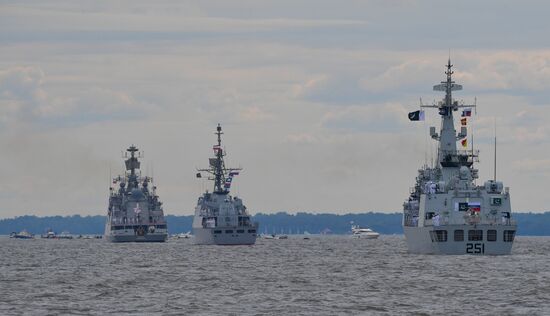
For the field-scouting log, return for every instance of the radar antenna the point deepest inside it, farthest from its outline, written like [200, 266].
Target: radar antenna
[132, 164]
[448, 155]
[221, 175]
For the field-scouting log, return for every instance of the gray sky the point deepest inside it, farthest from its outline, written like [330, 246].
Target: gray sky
[312, 95]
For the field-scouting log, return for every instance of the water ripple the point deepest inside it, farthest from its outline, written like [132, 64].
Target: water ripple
[321, 276]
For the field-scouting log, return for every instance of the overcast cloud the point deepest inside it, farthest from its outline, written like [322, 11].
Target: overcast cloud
[312, 95]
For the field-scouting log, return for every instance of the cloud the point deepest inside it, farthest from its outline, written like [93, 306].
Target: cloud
[26, 101]
[302, 139]
[532, 165]
[385, 118]
[146, 22]
[255, 114]
[506, 71]
[21, 91]
[313, 100]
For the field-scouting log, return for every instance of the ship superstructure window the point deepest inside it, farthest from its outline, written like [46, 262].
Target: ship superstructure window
[475, 235]
[244, 221]
[252, 231]
[217, 232]
[229, 231]
[459, 235]
[438, 235]
[240, 231]
[509, 235]
[429, 215]
[491, 235]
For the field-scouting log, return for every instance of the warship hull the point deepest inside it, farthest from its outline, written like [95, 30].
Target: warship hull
[130, 235]
[134, 238]
[225, 235]
[425, 240]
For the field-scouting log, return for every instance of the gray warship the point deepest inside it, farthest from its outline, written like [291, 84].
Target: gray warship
[135, 212]
[446, 212]
[221, 219]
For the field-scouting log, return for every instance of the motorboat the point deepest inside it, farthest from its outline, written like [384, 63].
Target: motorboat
[65, 235]
[24, 234]
[183, 235]
[366, 233]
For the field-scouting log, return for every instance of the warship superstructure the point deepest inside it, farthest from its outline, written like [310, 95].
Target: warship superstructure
[447, 212]
[221, 219]
[135, 211]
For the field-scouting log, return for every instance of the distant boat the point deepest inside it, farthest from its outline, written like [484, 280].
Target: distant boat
[183, 235]
[281, 237]
[366, 233]
[306, 235]
[88, 236]
[267, 236]
[50, 234]
[22, 235]
[65, 235]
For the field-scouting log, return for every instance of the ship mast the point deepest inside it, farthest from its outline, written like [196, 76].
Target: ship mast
[219, 173]
[449, 158]
[132, 164]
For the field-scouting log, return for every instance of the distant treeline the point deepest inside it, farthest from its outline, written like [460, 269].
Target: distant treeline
[530, 224]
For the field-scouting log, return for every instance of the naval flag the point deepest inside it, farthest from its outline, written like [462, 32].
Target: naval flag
[416, 115]
[464, 142]
[228, 181]
[464, 121]
[467, 112]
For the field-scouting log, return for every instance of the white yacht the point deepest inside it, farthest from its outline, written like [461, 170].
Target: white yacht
[366, 233]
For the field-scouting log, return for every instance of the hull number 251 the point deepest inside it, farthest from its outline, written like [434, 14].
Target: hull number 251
[475, 248]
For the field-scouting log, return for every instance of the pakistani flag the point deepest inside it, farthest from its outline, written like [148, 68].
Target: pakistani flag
[416, 115]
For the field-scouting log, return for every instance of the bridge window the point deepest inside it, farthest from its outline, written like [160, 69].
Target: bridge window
[217, 232]
[240, 231]
[491, 235]
[459, 235]
[509, 235]
[475, 235]
[252, 231]
[229, 231]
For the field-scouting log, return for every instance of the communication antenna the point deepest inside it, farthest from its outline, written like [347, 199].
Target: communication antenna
[495, 167]
[426, 142]
[472, 140]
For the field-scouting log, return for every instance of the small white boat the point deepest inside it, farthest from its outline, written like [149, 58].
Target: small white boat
[281, 237]
[184, 235]
[366, 233]
[267, 236]
[50, 234]
[65, 235]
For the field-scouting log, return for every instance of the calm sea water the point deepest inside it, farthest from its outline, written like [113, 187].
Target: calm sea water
[322, 276]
